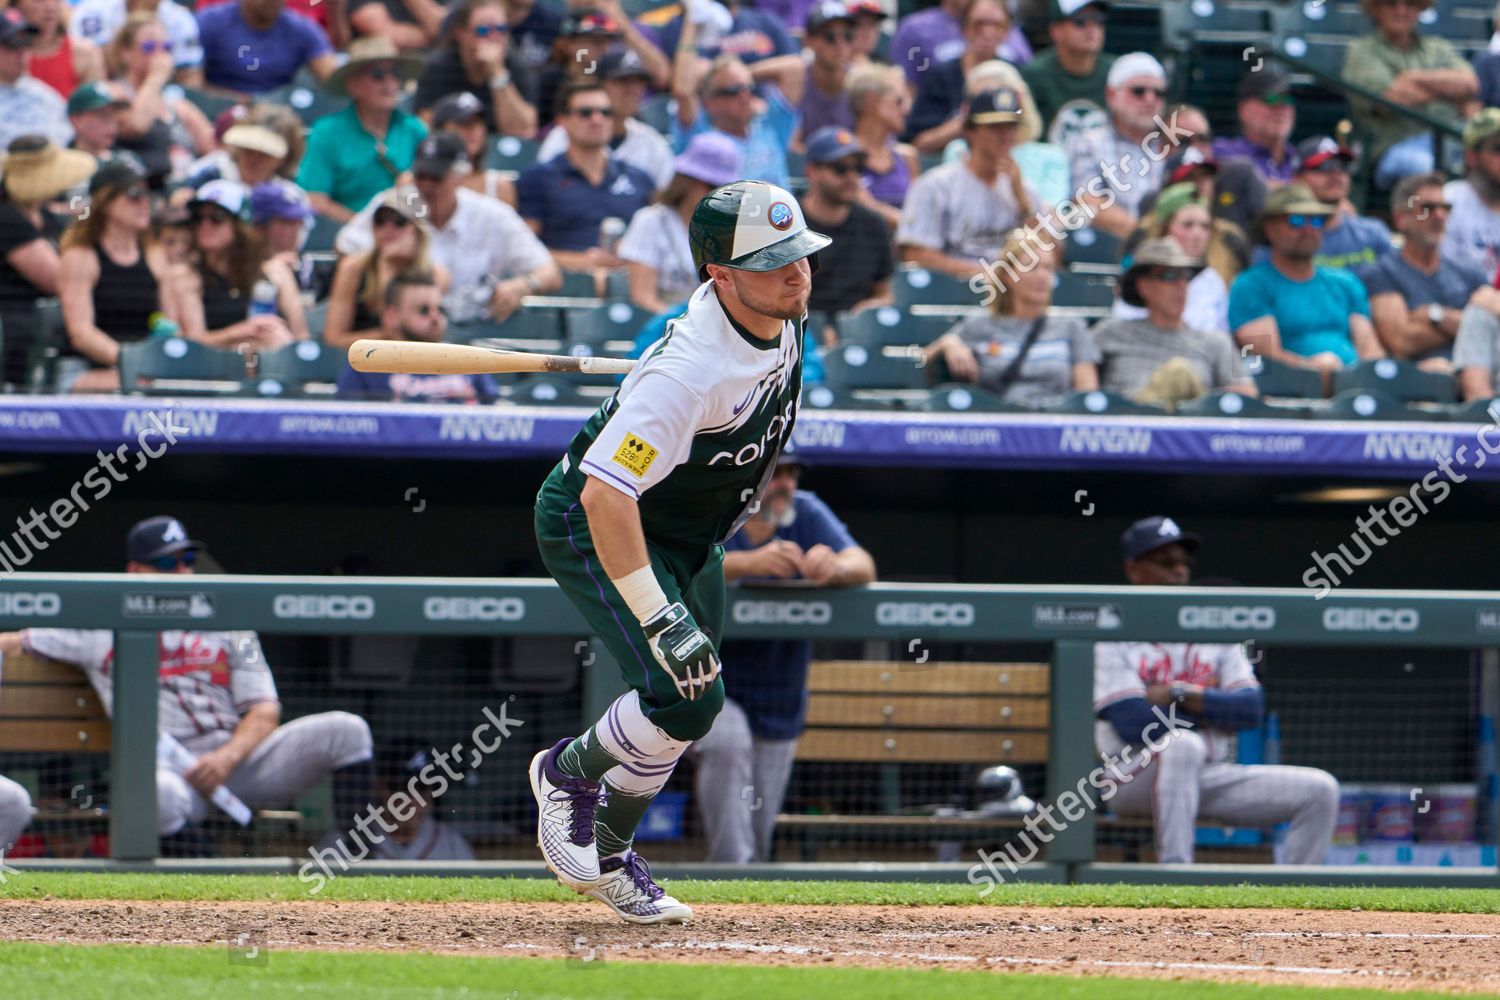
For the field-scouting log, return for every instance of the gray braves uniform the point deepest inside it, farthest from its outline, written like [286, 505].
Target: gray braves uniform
[15, 812]
[1192, 777]
[207, 681]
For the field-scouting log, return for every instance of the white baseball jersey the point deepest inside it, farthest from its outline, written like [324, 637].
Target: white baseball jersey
[207, 679]
[1125, 669]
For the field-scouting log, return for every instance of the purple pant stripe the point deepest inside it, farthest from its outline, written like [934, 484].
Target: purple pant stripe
[568, 520]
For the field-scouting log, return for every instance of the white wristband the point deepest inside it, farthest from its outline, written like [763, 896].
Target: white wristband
[641, 591]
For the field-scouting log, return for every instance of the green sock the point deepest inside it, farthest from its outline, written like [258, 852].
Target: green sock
[616, 820]
[586, 757]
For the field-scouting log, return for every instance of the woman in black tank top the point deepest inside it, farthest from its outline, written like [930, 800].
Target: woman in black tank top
[111, 279]
[357, 296]
[217, 283]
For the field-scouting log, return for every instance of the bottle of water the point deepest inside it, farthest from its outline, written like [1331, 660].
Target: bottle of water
[610, 231]
[263, 298]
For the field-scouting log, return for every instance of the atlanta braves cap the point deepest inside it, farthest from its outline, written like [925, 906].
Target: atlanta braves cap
[1151, 533]
[156, 537]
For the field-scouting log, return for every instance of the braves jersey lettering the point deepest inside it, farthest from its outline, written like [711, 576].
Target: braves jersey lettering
[1125, 669]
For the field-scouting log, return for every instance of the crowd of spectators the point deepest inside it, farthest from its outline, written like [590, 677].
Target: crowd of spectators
[947, 139]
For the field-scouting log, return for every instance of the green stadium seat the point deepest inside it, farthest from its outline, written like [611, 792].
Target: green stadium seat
[317, 318]
[613, 321]
[917, 286]
[796, 164]
[1273, 378]
[960, 398]
[508, 152]
[542, 323]
[1364, 404]
[578, 285]
[1233, 404]
[826, 397]
[320, 239]
[550, 392]
[854, 366]
[1071, 290]
[1103, 403]
[310, 101]
[48, 337]
[1092, 246]
[1477, 411]
[160, 359]
[888, 326]
[288, 372]
[654, 111]
[1399, 379]
[212, 105]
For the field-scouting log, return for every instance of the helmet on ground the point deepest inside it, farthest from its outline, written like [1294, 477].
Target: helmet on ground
[751, 226]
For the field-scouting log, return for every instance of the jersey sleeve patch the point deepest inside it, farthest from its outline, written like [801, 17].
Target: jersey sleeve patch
[635, 455]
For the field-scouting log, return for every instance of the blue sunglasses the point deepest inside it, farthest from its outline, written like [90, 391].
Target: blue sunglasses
[486, 30]
[167, 564]
[1305, 221]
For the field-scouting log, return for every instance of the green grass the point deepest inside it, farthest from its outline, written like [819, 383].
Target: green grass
[281, 888]
[108, 972]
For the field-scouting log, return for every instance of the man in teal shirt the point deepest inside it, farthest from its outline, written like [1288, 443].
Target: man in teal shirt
[354, 155]
[1289, 309]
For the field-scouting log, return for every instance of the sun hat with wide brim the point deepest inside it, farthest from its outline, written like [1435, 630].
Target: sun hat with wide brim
[45, 171]
[369, 51]
[1160, 252]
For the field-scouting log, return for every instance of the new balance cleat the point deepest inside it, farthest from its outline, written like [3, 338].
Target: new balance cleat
[625, 885]
[565, 820]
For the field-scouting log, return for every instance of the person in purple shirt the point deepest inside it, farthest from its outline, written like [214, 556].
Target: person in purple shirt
[1267, 116]
[830, 38]
[413, 311]
[254, 46]
[935, 35]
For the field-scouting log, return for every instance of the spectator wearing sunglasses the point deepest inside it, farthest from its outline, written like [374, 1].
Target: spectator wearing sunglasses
[1350, 240]
[110, 278]
[937, 113]
[360, 281]
[354, 155]
[477, 59]
[1158, 358]
[586, 37]
[1292, 311]
[1413, 70]
[820, 94]
[1115, 154]
[27, 105]
[1418, 297]
[1181, 214]
[154, 125]
[98, 21]
[927, 38]
[255, 46]
[1076, 67]
[723, 99]
[879, 100]
[858, 275]
[57, 59]
[462, 115]
[1267, 115]
[1474, 230]
[215, 287]
[412, 310]
[566, 200]
[631, 140]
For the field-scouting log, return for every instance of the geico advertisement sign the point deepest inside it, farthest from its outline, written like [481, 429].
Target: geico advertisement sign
[1371, 619]
[1236, 616]
[923, 613]
[782, 612]
[474, 609]
[340, 607]
[22, 603]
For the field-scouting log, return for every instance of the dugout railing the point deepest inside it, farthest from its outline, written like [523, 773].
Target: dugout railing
[1068, 619]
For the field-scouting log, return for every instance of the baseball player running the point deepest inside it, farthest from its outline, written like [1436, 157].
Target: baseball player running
[1186, 774]
[217, 698]
[630, 524]
[15, 813]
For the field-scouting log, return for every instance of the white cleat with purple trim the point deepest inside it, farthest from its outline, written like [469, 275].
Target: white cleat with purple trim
[626, 886]
[565, 820]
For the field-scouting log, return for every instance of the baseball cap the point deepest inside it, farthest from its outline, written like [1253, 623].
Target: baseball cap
[992, 107]
[278, 199]
[15, 33]
[711, 157]
[866, 8]
[1481, 127]
[588, 22]
[1134, 64]
[121, 170]
[826, 12]
[439, 153]
[1182, 163]
[1058, 10]
[832, 143]
[456, 107]
[1319, 149]
[1265, 84]
[1151, 533]
[622, 64]
[228, 195]
[93, 96]
[156, 537]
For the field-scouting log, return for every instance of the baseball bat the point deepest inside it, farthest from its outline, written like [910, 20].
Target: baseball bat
[393, 356]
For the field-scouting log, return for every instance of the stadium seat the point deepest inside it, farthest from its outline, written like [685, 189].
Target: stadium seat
[1070, 290]
[510, 153]
[1364, 404]
[917, 286]
[958, 398]
[550, 392]
[1092, 247]
[614, 321]
[617, 286]
[177, 359]
[541, 323]
[1273, 378]
[212, 105]
[320, 239]
[1101, 402]
[48, 337]
[654, 111]
[1233, 404]
[826, 397]
[796, 164]
[854, 366]
[578, 285]
[1478, 411]
[317, 318]
[309, 100]
[888, 326]
[288, 372]
[1399, 379]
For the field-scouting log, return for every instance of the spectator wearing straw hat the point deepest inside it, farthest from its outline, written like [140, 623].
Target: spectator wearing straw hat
[1157, 358]
[255, 46]
[36, 172]
[1289, 309]
[359, 152]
